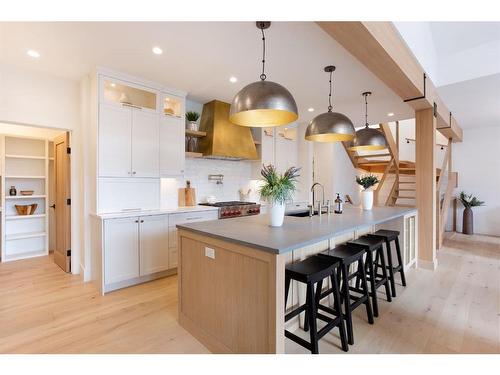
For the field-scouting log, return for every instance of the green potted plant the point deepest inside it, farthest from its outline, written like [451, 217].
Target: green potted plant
[367, 182]
[468, 201]
[192, 118]
[277, 189]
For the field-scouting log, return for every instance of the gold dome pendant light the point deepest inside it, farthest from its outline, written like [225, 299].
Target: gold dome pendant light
[368, 139]
[263, 103]
[330, 126]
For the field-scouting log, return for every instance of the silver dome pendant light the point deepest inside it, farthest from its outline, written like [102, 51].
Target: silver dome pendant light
[368, 139]
[330, 126]
[263, 103]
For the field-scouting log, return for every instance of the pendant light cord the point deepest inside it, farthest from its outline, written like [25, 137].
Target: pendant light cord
[330, 94]
[263, 75]
[366, 110]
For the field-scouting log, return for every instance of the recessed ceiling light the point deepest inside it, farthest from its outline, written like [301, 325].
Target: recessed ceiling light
[33, 53]
[390, 114]
[233, 79]
[157, 50]
[113, 84]
[310, 109]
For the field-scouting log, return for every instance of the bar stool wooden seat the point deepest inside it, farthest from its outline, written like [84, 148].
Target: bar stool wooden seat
[352, 297]
[312, 271]
[375, 259]
[388, 236]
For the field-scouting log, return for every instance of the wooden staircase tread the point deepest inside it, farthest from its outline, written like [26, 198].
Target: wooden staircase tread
[371, 156]
[406, 197]
[404, 205]
[407, 182]
[406, 189]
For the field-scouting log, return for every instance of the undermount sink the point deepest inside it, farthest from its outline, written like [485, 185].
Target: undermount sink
[299, 214]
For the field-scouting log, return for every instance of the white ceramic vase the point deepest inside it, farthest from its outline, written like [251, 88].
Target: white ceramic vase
[276, 214]
[367, 199]
[193, 125]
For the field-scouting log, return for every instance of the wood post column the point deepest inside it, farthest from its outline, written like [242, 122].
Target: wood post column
[425, 135]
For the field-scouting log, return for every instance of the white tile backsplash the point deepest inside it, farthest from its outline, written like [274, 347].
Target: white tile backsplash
[237, 175]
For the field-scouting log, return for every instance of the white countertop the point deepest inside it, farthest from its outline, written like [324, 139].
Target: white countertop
[163, 211]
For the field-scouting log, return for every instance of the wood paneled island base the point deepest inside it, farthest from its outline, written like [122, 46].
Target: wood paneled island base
[235, 302]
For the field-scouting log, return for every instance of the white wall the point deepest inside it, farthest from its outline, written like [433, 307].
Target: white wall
[477, 162]
[237, 175]
[334, 170]
[418, 37]
[34, 98]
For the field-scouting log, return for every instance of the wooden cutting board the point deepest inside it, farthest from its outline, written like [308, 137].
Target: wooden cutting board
[187, 196]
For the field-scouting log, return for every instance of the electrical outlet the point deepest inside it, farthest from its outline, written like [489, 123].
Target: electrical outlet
[209, 252]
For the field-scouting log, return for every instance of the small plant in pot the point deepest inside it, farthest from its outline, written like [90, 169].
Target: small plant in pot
[277, 189]
[367, 182]
[192, 118]
[468, 202]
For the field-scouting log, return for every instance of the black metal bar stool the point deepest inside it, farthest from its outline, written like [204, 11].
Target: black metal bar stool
[351, 255]
[374, 246]
[311, 272]
[388, 236]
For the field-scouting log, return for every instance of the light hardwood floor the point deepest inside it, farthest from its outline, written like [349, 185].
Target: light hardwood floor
[455, 309]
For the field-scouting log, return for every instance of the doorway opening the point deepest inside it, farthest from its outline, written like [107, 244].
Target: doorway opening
[35, 194]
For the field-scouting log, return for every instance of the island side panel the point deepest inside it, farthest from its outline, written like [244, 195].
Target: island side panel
[234, 302]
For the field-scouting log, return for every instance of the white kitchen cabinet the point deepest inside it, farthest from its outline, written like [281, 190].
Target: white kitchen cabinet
[115, 141]
[128, 142]
[172, 149]
[267, 146]
[136, 249]
[278, 147]
[286, 150]
[145, 144]
[153, 244]
[121, 249]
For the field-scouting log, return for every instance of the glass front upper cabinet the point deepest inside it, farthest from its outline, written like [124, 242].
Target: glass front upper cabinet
[119, 92]
[173, 106]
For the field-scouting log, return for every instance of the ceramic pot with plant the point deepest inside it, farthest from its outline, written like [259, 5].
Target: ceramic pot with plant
[192, 118]
[468, 202]
[276, 190]
[367, 182]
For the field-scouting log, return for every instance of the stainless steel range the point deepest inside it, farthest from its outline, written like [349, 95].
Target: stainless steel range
[235, 208]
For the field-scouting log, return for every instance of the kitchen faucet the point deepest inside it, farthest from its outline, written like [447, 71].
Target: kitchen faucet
[321, 204]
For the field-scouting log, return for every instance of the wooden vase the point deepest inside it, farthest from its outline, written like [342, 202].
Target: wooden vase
[468, 221]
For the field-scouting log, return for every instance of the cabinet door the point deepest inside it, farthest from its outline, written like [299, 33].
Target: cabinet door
[115, 139]
[153, 240]
[172, 153]
[145, 144]
[121, 249]
[267, 146]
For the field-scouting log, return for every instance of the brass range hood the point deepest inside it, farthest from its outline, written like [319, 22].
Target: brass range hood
[224, 140]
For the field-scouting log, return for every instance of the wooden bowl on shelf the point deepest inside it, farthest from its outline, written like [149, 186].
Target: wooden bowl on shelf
[26, 192]
[26, 209]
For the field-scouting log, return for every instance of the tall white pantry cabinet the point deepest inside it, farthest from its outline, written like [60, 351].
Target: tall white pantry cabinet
[138, 133]
[136, 136]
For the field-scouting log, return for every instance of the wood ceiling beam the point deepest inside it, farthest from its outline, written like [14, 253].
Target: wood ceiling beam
[379, 47]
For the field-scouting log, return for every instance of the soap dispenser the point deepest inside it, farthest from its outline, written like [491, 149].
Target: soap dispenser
[338, 204]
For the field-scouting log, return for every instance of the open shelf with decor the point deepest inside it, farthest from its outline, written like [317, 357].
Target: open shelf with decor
[24, 197]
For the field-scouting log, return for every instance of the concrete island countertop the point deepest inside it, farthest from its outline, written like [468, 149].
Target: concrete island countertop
[296, 232]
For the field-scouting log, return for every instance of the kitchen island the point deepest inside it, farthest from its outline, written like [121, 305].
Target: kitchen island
[231, 272]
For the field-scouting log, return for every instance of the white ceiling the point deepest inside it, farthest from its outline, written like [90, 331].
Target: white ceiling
[463, 60]
[199, 57]
[453, 37]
